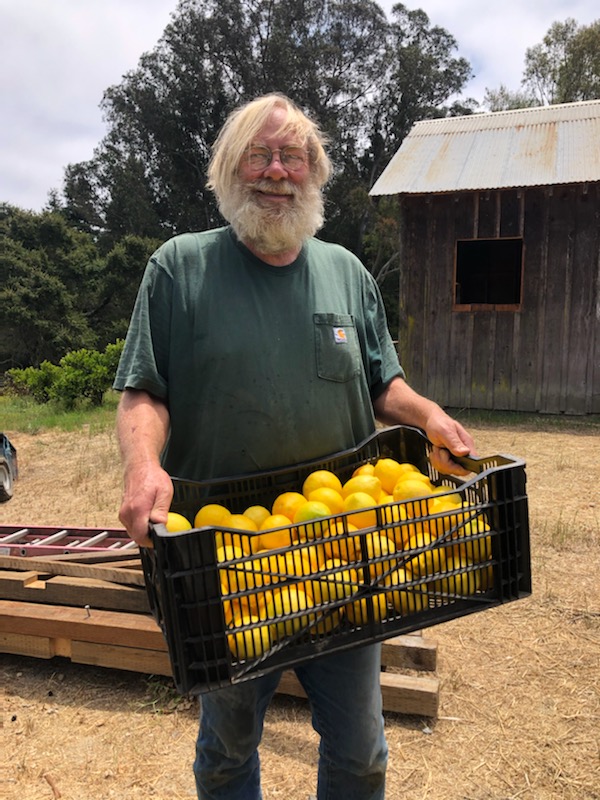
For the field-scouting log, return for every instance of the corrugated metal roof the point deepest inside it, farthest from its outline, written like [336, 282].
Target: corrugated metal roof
[542, 146]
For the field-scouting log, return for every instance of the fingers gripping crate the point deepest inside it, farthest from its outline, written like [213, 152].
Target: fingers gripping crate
[231, 614]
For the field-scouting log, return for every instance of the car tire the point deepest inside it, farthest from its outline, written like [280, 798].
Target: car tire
[6, 483]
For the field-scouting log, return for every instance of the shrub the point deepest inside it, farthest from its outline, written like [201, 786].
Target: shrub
[33, 381]
[80, 375]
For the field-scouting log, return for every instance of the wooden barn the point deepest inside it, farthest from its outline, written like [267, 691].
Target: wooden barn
[500, 258]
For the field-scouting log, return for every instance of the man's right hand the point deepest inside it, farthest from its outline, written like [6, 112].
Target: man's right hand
[146, 498]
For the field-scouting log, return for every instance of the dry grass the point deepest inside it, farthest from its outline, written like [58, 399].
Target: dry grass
[519, 701]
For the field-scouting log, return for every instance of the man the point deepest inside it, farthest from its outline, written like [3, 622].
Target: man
[256, 346]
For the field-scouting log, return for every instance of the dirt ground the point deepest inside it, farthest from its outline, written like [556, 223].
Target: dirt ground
[519, 698]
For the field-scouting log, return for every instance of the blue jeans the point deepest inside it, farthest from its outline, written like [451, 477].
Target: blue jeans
[345, 697]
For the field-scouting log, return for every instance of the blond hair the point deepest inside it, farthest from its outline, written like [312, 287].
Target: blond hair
[244, 124]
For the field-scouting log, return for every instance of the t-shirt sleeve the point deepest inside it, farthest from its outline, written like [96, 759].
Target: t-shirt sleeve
[381, 356]
[144, 363]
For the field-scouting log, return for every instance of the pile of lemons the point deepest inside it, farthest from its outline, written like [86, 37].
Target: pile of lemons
[291, 567]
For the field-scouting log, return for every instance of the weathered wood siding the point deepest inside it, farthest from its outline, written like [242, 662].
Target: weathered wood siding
[545, 356]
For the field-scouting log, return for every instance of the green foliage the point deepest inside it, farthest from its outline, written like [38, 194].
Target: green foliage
[545, 61]
[81, 375]
[36, 382]
[60, 291]
[47, 275]
[579, 77]
[504, 99]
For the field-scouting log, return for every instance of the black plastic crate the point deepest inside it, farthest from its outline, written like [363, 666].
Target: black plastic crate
[441, 565]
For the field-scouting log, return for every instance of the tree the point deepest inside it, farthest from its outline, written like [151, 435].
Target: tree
[59, 292]
[563, 68]
[417, 75]
[48, 270]
[365, 79]
[504, 99]
[80, 375]
[544, 62]
[579, 79]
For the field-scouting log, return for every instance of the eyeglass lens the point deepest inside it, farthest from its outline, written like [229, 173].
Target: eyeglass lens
[291, 157]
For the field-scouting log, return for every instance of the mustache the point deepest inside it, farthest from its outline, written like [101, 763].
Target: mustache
[274, 187]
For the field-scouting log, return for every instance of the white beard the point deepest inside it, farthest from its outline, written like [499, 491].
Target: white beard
[278, 228]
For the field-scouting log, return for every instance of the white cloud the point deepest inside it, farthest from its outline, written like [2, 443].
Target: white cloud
[57, 57]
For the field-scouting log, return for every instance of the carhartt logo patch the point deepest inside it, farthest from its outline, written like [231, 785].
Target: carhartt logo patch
[339, 335]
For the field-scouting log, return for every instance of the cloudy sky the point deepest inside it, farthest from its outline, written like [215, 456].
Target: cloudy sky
[58, 56]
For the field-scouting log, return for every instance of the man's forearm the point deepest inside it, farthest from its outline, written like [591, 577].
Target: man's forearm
[142, 427]
[399, 404]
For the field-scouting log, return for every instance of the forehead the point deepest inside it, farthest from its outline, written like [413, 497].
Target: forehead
[277, 129]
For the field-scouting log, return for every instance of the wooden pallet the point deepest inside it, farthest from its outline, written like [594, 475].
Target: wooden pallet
[93, 609]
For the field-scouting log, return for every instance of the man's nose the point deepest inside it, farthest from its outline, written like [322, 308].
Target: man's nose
[276, 169]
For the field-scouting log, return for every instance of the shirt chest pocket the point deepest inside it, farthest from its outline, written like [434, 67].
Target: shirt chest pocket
[337, 347]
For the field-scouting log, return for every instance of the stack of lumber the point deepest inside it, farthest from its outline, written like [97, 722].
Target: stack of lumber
[92, 608]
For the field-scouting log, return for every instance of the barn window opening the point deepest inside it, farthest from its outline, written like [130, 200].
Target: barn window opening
[488, 272]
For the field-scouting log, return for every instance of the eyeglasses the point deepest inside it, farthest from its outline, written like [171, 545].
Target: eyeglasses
[292, 157]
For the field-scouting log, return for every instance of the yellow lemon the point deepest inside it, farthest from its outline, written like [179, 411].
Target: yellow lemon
[177, 522]
[411, 489]
[452, 515]
[229, 552]
[364, 469]
[238, 606]
[242, 573]
[287, 503]
[405, 599]
[332, 499]
[251, 642]
[369, 484]
[463, 583]
[388, 470]
[367, 609]
[212, 515]
[235, 577]
[241, 523]
[290, 564]
[361, 503]
[428, 562]
[311, 517]
[399, 527]
[420, 476]
[470, 545]
[319, 479]
[337, 544]
[274, 540]
[258, 514]
[379, 546]
[264, 567]
[447, 495]
[274, 521]
[327, 620]
[238, 522]
[336, 581]
[284, 606]
[274, 533]
[316, 555]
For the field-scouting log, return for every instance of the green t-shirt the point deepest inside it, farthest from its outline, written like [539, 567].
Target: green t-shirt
[259, 366]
